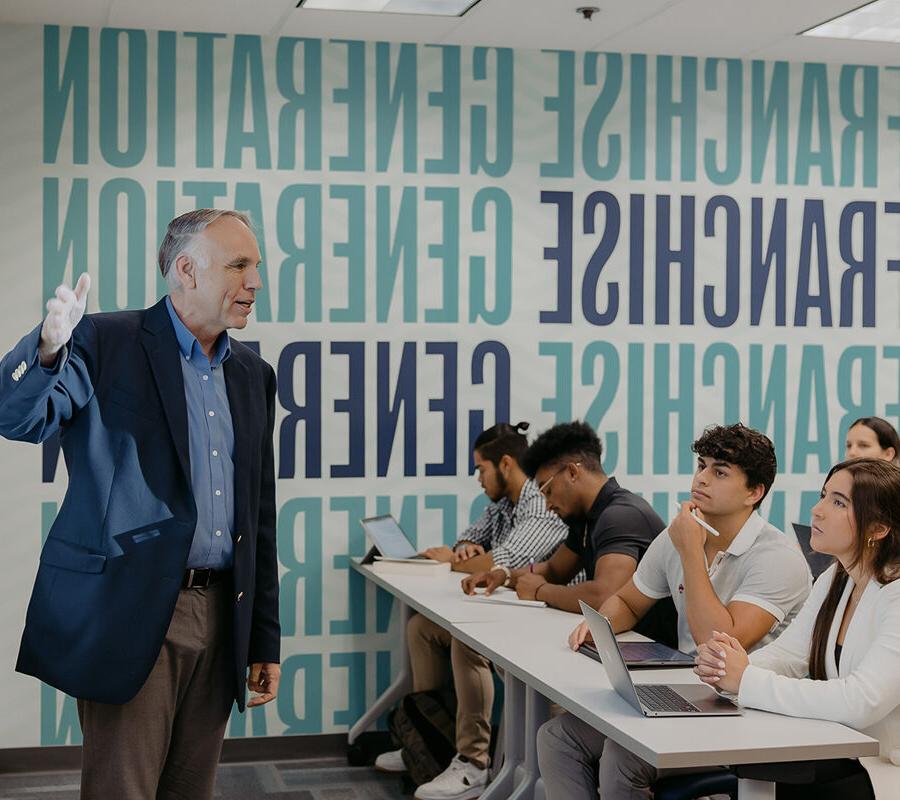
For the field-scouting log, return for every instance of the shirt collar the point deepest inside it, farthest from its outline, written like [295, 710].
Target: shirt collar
[187, 342]
[603, 499]
[529, 490]
[747, 535]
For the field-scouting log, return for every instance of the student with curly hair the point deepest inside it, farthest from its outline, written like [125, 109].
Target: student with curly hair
[840, 658]
[748, 581]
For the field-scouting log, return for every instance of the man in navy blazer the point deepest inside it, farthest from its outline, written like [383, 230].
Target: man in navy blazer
[157, 586]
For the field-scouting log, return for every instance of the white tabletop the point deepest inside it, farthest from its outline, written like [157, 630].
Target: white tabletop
[536, 652]
[531, 644]
[441, 599]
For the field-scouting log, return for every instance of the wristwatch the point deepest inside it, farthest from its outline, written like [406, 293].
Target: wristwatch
[505, 572]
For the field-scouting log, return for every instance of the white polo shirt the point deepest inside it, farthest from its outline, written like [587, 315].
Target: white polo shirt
[761, 566]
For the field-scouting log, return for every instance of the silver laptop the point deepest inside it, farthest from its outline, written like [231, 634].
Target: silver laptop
[643, 655]
[652, 700]
[390, 541]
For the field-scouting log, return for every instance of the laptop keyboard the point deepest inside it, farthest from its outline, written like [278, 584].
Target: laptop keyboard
[663, 698]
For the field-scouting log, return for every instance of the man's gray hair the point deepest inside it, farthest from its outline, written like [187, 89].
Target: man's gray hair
[180, 236]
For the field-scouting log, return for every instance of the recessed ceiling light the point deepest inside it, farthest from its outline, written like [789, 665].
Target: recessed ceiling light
[877, 21]
[440, 8]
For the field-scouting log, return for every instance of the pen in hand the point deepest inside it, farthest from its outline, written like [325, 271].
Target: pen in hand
[699, 521]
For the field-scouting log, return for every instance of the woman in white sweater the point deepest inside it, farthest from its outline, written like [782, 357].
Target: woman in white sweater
[840, 658]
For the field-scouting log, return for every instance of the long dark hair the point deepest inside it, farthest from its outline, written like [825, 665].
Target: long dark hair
[875, 498]
[885, 433]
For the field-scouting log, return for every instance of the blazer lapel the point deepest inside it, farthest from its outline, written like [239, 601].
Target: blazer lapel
[833, 632]
[161, 346]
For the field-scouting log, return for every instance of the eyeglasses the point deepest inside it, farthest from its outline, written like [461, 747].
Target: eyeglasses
[546, 484]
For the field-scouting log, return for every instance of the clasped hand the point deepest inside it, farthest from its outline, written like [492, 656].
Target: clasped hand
[721, 661]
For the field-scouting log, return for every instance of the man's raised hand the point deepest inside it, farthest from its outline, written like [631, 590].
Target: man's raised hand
[64, 311]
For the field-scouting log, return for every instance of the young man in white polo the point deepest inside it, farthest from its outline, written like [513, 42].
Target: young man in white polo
[517, 528]
[749, 582]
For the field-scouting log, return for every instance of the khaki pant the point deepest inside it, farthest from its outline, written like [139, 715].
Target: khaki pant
[429, 647]
[164, 744]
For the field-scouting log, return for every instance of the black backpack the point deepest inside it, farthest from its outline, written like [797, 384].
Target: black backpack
[424, 725]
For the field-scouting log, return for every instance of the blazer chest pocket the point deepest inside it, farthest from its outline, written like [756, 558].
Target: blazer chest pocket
[134, 404]
[66, 555]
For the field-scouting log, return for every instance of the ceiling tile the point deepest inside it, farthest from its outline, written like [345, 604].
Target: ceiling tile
[262, 17]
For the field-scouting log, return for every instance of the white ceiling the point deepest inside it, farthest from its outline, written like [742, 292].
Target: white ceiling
[736, 28]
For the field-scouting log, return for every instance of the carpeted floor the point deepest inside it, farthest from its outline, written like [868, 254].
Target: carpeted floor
[321, 779]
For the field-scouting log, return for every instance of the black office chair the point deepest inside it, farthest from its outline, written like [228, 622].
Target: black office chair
[692, 786]
[818, 562]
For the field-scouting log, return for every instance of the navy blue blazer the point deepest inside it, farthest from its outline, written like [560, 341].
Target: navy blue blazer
[113, 562]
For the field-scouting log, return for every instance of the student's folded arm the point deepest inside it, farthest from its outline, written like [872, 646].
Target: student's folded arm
[536, 536]
[611, 571]
[561, 567]
[750, 622]
[789, 653]
[626, 607]
[703, 608]
[774, 588]
[479, 532]
[859, 700]
[482, 563]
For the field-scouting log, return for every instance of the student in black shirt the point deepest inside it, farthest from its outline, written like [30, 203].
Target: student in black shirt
[610, 528]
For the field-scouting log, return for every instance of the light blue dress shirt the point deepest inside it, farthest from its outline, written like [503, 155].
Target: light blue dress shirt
[211, 443]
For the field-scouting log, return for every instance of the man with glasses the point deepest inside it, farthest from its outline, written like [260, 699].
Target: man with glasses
[610, 528]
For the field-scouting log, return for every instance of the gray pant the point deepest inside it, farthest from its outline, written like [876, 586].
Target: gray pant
[568, 752]
[164, 744]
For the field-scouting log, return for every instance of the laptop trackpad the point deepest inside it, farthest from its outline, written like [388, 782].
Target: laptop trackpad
[706, 699]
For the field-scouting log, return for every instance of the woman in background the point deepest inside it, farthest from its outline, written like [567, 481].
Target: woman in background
[839, 659]
[873, 437]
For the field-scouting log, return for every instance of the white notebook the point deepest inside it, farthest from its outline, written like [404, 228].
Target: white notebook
[504, 596]
[418, 567]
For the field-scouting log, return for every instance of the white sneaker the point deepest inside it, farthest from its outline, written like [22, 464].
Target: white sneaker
[462, 780]
[391, 761]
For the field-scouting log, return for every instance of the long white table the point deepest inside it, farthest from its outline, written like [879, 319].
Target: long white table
[529, 645]
[441, 600]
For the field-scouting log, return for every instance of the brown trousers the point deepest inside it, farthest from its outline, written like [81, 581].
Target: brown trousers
[429, 645]
[164, 744]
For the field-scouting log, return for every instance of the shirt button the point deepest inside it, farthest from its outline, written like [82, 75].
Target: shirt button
[206, 377]
[212, 413]
[240, 595]
[215, 452]
[218, 492]
[239, 538]
[218, 533]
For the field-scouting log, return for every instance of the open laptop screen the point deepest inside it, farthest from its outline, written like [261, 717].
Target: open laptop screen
[388, 537]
